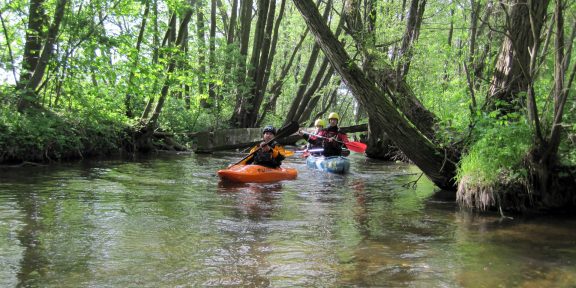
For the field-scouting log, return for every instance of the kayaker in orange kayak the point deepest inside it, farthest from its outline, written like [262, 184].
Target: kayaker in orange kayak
[271, 154]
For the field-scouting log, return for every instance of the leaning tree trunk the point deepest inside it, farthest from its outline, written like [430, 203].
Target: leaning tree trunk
[385, 76]
[34, 35]
[433, 161]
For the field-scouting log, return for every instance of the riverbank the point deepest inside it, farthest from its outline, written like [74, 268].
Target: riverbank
[42, 138]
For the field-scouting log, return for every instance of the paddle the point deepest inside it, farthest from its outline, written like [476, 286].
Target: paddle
[291, 153]
[357, 147]
[284, 131]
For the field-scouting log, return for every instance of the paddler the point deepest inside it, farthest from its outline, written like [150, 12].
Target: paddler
[333, 140]
[314, 143]
[269, 153]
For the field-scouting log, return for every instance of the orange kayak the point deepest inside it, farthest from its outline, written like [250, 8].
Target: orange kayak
[256, 174]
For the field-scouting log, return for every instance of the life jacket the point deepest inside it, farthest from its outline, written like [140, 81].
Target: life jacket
[332, 148]
[273, 158]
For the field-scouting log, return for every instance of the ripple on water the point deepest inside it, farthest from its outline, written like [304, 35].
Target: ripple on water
[169, 221]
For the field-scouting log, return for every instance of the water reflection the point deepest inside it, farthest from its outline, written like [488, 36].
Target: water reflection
[256, 200]
[166, 221]
[34, 262]
[361, 212]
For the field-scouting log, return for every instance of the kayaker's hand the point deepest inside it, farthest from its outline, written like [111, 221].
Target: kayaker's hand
[264, 147]
[300, 132]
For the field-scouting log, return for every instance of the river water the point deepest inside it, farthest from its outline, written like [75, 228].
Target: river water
[167, 221]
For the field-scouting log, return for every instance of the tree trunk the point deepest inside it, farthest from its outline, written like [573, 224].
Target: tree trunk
[320, 75]
[385, 76]
[128, 97]
[180, 39]
[274, 43]
[232, 26]
[544, 161]
[433, 161]
[30, 98]
[145, 133]
[201, 42]
[311, 104]
[259, 87]
[238, 119]
[276, 88]
[297, 101]
[414, 22]
[8, 40]
[511, 76]
[212, 56]
[34, 35]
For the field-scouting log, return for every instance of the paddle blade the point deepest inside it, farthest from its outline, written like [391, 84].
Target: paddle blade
[357, 147]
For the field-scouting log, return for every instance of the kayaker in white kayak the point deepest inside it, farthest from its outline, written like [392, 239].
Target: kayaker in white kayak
[333, 139]
[314, 143]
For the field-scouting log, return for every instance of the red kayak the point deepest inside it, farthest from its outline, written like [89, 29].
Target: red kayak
[256, 174]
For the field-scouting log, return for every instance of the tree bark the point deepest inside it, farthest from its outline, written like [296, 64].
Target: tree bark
[34, 35]
[512, 76]
[201, 42]
[265, 54]
[212, 53]
[414, 21]
[30, 98]
[297, 101]
[238, 119]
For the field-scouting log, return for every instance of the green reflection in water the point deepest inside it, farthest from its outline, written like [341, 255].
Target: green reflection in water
[168, 221]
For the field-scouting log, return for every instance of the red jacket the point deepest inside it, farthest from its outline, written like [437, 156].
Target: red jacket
[333, 148]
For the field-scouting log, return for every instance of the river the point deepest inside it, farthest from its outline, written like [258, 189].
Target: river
[167, 221]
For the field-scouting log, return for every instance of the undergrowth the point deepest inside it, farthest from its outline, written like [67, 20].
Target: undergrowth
[48, 136]
[495, 158]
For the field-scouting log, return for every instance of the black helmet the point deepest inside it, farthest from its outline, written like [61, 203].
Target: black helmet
[270, 129]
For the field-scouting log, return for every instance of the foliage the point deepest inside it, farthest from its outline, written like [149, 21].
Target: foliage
[497, 154]
[97, 65]
[46, 136]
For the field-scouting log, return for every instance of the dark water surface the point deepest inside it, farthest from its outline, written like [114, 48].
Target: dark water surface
[167, 221]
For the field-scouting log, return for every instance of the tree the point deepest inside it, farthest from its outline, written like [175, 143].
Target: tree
[512, 75]
[432, 160]
[38, 51]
